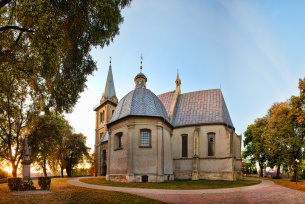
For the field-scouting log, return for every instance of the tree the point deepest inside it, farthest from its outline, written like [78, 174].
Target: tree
[46, 135]
[15, 114]
[45, 59]
[254, 143]
[279, 127]
[48, 43]
[76, 151]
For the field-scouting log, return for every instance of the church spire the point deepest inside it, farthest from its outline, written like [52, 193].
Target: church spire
[178, 81]
[109, 88]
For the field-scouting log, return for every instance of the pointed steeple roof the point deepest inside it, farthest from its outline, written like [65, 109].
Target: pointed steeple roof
[109, 88]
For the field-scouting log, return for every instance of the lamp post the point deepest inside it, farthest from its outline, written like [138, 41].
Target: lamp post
[296, 172]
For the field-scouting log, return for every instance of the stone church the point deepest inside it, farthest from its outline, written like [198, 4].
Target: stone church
[149, 138]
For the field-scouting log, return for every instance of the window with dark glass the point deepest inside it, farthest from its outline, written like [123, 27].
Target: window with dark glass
[104, 154]
[211, 144]
[184, 145]
[145, 138]
[102, 116]
[118, 141]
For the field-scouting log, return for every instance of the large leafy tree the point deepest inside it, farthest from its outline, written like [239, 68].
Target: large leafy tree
[254, 143]
[47, 43]
[45, 59]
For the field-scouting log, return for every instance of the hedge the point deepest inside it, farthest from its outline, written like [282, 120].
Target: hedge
[14, 183]
[44, 183]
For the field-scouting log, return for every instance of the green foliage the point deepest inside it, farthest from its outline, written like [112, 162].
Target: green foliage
[76, 151]
[46, 45]
[276, 177]
[249, 167]
[45, 60]
[254, 142]
[278, 139]
[14, 183]
[44, 183]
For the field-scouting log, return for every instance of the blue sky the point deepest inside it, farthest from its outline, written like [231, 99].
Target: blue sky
[254, 50]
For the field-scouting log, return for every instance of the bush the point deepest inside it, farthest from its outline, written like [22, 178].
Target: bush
[3, 174]
[44, 183]
[276, 177]
[14, 183]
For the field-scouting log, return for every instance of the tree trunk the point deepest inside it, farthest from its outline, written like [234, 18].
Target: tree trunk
[14, 170]
[44, 168]
[261, 173]
[295, 173]
[62, 171]
[278, 170]
[68, 170]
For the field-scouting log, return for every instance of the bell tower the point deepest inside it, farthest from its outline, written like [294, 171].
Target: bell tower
[104, 111]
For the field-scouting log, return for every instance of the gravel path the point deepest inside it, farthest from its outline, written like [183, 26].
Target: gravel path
[265, 192]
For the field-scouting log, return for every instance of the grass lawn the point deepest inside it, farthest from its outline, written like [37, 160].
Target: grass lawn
[177, 184]
[288, 184]
[66, 193]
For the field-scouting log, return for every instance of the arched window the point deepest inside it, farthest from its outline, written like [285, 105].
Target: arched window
[211, 144]
[102, 116]
[145, 138]
[118, 141]
[184, 145]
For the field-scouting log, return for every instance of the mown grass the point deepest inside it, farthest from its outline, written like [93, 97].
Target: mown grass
[288, 184]
[175, 185]
[66, 193]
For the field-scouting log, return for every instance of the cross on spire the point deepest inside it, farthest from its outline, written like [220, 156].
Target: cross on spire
[110, 61]
[141, 64]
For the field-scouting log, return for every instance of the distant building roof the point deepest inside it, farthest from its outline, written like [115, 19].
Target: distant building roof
[139, 102]
[200, 107]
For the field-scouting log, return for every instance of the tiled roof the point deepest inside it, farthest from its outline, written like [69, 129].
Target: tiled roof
[109, 88]
[201, 107]
[141, 102]
[105, 138]
[166, 99]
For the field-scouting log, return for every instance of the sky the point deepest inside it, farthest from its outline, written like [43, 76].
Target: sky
[253, 50]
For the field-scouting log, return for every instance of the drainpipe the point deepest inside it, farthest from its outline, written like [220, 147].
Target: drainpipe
[162, 151]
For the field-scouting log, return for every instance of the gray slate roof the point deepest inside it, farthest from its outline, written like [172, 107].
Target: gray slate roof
[105, 138]
[200, 107]
[139, 102]
[109, 88]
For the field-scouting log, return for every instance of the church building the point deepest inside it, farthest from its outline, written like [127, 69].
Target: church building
[149, 138]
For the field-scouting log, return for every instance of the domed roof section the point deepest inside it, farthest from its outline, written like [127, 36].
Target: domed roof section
[139, 102]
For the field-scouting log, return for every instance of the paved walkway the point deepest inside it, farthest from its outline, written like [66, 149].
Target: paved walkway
[265, 192]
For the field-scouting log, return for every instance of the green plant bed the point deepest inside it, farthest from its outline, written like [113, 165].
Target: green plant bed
[177, 184]
[44, 183]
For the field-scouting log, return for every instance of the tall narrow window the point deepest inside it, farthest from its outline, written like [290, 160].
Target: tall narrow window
[102, 116]
[118, 141]
[184, 145]
[211, 144]
[145, 138]
[104, 155]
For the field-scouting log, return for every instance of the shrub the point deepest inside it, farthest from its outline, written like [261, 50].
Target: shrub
[14, 183]
[44, 183]
[27, 185]
[276, 177]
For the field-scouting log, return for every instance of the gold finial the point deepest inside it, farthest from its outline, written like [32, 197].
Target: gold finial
[141, 63]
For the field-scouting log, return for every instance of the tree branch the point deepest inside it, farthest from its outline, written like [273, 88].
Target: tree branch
[4, 2]
[16, 28]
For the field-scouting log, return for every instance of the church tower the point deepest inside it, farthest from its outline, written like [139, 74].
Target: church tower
[104, 111]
